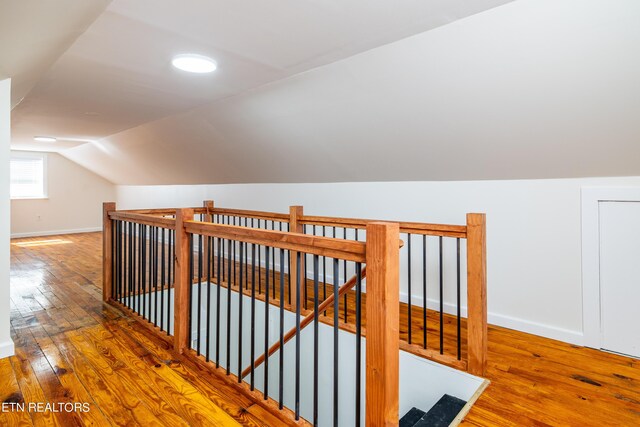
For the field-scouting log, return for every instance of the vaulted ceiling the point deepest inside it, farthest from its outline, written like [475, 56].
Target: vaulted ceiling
[327, 90]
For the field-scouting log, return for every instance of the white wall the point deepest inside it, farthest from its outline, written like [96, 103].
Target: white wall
[6, 345]
[74, 202]
[533, 231]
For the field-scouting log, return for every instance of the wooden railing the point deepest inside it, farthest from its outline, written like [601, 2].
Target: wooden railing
[150, 253]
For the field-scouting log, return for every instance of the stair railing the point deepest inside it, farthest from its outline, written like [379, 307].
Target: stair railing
[153, 255]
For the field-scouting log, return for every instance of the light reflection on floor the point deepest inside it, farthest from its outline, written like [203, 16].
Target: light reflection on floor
[36, 243]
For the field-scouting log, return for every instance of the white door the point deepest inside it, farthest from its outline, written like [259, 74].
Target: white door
[620, 276]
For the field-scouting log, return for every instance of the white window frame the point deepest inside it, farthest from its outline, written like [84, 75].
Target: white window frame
[38, 156]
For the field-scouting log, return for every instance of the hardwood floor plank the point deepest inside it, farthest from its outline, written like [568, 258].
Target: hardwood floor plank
[171, 390]
[72, 346]
[11, 395]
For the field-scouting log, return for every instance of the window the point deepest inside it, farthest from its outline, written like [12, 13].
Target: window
[28, 175]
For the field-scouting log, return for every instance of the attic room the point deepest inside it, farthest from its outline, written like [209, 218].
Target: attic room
[265, 213]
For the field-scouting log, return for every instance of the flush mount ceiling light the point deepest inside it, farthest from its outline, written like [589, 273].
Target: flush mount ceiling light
[194, 63]
[45, 138]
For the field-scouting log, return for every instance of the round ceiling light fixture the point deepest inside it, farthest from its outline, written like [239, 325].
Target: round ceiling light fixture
[193, 63]
[45, 138]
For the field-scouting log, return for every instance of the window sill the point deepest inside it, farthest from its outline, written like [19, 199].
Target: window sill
[30, 198]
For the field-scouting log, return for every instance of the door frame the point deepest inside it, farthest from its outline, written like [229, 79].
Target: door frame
[590, 199]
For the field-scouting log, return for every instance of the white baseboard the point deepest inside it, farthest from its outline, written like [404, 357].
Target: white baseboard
[7, 349]
[522, 325]
[55, 232]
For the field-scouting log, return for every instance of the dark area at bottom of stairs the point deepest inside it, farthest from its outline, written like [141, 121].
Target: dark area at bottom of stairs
[440, 415]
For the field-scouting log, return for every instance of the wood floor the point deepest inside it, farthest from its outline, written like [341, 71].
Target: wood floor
[72, 348]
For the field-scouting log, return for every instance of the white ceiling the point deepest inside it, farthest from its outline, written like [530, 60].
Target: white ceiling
[34, 33]
[530, 89]
[117, 75]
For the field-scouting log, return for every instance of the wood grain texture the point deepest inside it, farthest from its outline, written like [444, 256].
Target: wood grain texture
[383, 318]
[476, 294]
[342, 249]
[56, 289]
[73, 348]
[144, 218]
[107, 250]
[295, 226]
[405, 227]
[182, 283]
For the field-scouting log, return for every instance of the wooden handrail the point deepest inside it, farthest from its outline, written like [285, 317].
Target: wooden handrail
[405, 227]
[347, 286]
[146, 219]
[445, 230]
[324, 246]
[247, 213]
[161, 211]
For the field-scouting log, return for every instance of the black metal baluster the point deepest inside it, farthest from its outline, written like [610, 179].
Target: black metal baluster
[138, 273]
[344, 276]
[199, 304]
[162, 281]
[324, 273]
[209, 263]
[191, 261]
[224, 257]
[304, 267]
[146, 282]
[171, 280]
[281, 352]
[218, 293]
[424, 290]
[160, 278]
[231, 261]
[156, 265]
[233, 257]
[253, 309]
[246, 259]
[156, 277]
[119, 287]
[130, 287]
[273, 259]
[336, 332]
[409, 322]
[441, 301]
[142, 274]
[315, 336]
[240, 303]
[358, 341]
[147, 274]
[298, 305]
[266, 328]
[458, 295]
[260, 266]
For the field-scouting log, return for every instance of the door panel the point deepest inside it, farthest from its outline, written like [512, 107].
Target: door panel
[620, 276]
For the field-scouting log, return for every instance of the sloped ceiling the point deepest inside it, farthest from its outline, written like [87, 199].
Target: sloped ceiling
[118, 75]
[34, 33]
[531, 89]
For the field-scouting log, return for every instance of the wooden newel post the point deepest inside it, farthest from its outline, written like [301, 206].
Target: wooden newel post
[383, 338]
[476, 294]
[182, 282]
[208, 205]
[107, 250]
[295, 215]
